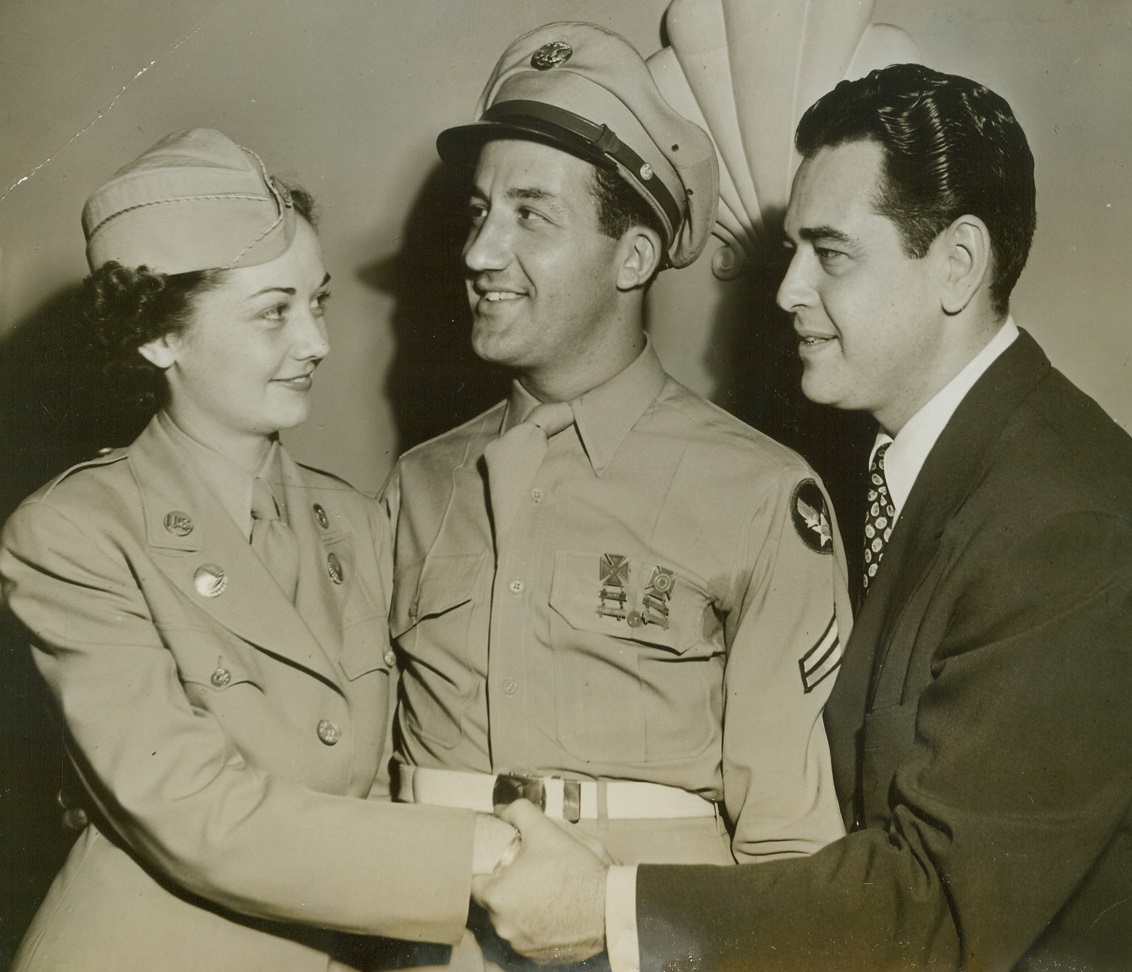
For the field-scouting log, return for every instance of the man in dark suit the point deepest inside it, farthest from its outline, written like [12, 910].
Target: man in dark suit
[980, 727]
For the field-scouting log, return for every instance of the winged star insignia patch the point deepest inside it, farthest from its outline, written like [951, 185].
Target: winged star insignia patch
[811, 517]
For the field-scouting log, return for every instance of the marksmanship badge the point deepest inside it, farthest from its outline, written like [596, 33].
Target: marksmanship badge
[613, 569]
[658, 592]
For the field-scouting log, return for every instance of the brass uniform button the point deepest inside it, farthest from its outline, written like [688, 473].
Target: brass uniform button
[390, 657]
[320, 515]
[328, 732]
[220, 677]
[334, 568]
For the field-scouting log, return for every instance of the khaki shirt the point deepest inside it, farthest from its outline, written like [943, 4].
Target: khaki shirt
[665, 606]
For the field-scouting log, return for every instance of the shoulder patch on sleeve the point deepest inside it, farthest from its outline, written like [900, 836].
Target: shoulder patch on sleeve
[811, 516]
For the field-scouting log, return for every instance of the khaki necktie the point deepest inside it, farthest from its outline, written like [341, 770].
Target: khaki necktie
[273, 540]
[879, 518]
[514, 458]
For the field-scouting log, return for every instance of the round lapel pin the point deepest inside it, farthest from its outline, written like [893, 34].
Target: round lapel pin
[177, 523]
[210, 580]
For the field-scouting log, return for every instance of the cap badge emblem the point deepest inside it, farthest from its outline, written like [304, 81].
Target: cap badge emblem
[283, 192]
[551, 55]
[646, 172]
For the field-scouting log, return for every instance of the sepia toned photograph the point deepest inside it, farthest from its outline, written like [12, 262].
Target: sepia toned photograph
[500, 484]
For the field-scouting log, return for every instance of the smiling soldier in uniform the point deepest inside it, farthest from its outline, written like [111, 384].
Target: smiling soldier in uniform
[592, 573]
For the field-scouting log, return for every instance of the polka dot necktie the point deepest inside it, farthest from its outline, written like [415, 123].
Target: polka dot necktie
[879, 518]
[273, 540]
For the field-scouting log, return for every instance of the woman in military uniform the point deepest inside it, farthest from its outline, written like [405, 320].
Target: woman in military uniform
[210, 616]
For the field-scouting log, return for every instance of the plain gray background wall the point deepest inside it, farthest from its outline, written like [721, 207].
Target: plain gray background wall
[347, 97]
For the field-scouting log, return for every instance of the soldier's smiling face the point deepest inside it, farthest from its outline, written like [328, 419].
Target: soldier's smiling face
[541, 275]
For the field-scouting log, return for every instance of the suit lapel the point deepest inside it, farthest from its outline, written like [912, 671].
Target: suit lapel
[202, 551]
[949, 474]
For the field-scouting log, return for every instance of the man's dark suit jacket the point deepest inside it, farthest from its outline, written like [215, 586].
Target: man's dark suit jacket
[981, 727]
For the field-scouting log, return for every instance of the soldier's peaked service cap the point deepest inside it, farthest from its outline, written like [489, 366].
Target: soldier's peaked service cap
[587, 91]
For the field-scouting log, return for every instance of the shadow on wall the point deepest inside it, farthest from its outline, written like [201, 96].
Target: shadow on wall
[761, 383]
[54, 411]
[435, 381]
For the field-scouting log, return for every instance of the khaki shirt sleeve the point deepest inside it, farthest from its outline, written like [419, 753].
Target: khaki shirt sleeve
[784, 646]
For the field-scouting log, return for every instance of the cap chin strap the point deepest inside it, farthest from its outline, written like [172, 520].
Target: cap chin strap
[596, 142]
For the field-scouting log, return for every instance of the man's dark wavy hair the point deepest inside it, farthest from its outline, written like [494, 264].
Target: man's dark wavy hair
[126, 307]
[951, 147]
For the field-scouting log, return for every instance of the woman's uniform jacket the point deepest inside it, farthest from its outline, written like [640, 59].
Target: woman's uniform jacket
[226, 739]
[980, 728]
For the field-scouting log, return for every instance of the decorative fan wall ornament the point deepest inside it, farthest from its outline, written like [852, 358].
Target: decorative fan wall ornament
[746, 70]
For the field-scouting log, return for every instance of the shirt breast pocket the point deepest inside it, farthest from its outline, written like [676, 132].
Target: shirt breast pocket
[637, 681]
[431, 620]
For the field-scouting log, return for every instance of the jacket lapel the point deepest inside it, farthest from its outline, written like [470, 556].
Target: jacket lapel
[327, 552]
[950, 472]
[195, 543]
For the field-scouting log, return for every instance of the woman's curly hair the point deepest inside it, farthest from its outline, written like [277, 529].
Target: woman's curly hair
[127, 307]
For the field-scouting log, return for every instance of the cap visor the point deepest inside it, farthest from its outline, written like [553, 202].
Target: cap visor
[461, 145]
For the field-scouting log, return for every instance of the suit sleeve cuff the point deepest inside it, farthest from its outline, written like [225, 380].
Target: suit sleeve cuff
[621, 919]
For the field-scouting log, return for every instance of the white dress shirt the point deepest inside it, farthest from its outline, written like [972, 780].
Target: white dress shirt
[910, 448]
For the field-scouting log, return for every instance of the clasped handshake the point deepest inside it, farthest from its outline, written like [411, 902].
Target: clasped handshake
[542, 886]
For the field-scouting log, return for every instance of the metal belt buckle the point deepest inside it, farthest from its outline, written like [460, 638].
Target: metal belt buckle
[510, 787]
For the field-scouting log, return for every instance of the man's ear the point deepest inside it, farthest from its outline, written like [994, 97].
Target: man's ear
[968, 259]
[639, 253]
[161, 352]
